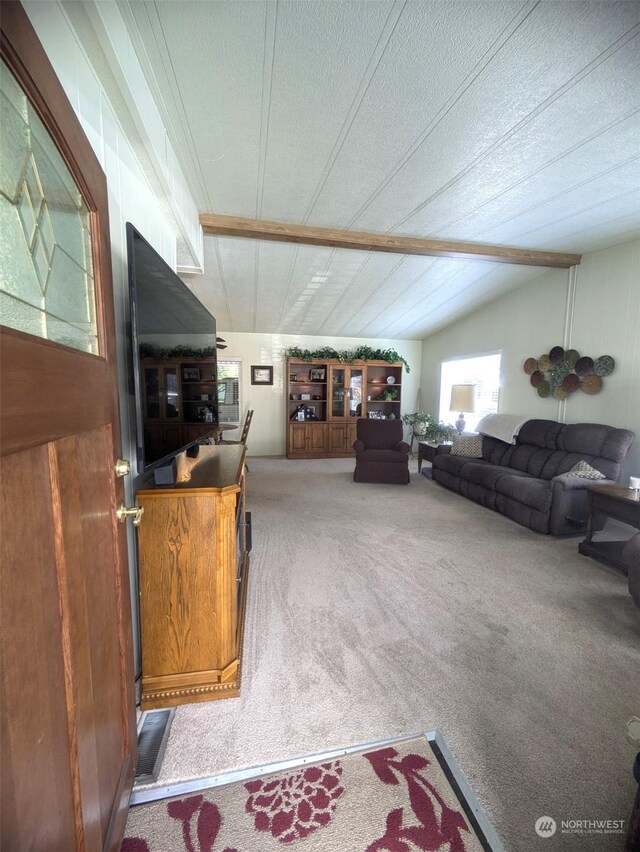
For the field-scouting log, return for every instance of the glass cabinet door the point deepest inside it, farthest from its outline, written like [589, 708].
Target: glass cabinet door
[355, 392]
[338, 392]
[346, 392]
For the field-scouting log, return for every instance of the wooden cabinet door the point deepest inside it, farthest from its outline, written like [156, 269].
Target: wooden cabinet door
[297, 439]
[341, 437]
[337, 437]
[69, 736]
[352, 434]
[316, 437]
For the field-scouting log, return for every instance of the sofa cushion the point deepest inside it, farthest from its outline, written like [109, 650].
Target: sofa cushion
[536, 460]
[543, 434]
[467, 445]
[488, 474]
[495, 451]
[583, 471]
[454, 464]
[532, 492]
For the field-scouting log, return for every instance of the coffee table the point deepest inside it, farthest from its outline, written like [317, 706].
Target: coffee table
[614, 501]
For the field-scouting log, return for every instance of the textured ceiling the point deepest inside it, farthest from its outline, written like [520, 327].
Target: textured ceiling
[514, 123]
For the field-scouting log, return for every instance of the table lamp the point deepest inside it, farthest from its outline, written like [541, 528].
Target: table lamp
[462, 399]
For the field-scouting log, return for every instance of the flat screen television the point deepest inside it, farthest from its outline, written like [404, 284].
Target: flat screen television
[173, 339]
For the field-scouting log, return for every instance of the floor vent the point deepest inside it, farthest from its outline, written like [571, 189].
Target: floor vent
[152, 741]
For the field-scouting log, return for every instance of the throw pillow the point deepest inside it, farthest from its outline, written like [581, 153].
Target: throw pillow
[583, 470]
[467, 445]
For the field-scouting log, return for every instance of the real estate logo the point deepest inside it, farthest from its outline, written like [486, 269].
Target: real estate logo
[545, 826]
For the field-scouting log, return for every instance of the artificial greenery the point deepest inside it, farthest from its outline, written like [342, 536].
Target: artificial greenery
[429, 427]
[347, 356]
[389, 394]
[185, 353]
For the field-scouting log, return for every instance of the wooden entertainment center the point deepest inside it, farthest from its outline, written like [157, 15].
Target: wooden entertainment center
[326, 397]
[193, 558]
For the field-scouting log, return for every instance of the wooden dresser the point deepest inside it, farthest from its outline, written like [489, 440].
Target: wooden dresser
[193, 558]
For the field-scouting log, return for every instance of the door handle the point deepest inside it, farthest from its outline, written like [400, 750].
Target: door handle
[136, 512]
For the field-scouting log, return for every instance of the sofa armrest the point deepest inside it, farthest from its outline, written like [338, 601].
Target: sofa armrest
[570, 505]
[573, 483]
[359, 446]
[403, 447]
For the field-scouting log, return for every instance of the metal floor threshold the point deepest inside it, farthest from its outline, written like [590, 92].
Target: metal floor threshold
[474, 811]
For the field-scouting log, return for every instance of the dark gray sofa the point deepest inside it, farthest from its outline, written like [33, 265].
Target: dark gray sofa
[518, 481]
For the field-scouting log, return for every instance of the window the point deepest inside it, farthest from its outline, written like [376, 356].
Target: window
[229, 371]
[483, 371]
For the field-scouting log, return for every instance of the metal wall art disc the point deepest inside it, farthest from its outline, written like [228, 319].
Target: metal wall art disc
[584, 366]
[556, 354]
[591, 384]
[603, 366]
[560, 373]
[544, 363]
[556, 374]
[570, 357]
[571, 383]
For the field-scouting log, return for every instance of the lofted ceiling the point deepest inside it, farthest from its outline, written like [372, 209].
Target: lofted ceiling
[504, 122]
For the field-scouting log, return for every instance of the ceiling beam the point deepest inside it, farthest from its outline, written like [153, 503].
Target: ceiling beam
[262, 229]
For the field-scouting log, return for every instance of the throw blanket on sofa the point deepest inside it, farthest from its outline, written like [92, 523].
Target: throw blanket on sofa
[504, 427]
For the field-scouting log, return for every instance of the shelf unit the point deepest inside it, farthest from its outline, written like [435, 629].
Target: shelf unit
[384, 381]
[325, 398]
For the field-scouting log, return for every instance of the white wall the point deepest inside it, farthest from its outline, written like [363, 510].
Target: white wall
[268, 427]
[602, 317]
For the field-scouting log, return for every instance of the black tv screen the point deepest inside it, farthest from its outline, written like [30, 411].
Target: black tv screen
[174, 358]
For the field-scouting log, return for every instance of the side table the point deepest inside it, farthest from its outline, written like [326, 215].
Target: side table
[426, 452]
[614, 501]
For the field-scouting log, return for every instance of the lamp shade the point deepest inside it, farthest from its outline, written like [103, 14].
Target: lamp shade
[463, 398]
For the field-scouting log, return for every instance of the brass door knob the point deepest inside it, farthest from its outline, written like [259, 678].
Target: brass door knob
[123, 512]
[122, 467]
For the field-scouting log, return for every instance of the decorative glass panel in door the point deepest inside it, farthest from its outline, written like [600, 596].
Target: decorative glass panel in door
[46, 267]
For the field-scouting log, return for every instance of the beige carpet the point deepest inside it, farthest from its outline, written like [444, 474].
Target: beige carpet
[379, 610]
[390, 797]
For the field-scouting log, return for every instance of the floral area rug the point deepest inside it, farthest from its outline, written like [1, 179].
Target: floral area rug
[394, 798]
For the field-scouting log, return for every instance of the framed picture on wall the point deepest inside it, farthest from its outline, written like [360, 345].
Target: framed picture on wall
[261, 375]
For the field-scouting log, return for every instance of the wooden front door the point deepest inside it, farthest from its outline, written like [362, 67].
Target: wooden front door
[68, 707]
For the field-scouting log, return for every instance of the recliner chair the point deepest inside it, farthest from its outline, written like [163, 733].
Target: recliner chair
[381, 453]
